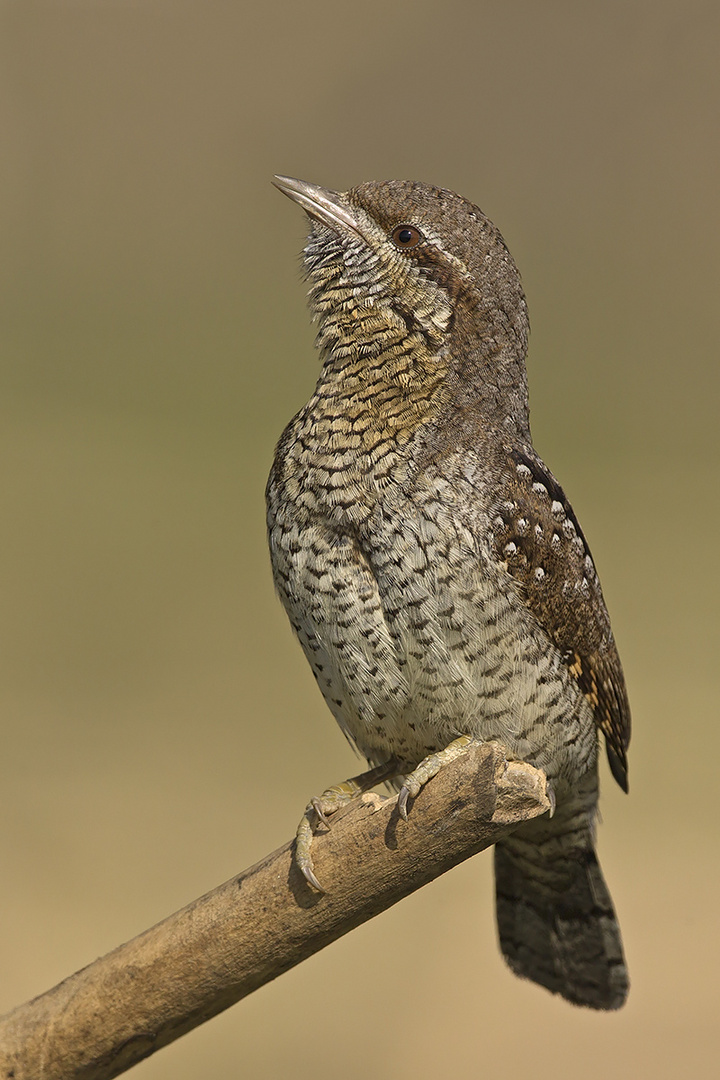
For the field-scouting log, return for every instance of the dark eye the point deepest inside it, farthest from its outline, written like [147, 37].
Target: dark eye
[406, 236]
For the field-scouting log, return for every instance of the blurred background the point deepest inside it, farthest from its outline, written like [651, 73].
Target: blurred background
[160, 728]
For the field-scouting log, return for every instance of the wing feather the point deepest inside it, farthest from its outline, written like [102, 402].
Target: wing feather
[539, 538]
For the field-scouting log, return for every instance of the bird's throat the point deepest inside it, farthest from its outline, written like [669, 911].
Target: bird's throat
[382, 372]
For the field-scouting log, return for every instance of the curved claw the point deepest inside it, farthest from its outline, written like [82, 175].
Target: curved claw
[304, 861]
[303, 858]
[317, 806]
[551, 797]
[307, 872]
[403, 801]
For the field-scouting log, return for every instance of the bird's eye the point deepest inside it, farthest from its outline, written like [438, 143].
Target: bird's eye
[406, 236]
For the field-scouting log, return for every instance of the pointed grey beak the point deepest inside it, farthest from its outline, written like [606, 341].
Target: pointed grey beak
[319, 202]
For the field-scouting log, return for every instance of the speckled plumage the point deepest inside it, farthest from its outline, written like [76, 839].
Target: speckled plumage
[430, 564]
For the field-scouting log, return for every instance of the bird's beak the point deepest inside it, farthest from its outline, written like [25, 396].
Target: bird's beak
[328, 207]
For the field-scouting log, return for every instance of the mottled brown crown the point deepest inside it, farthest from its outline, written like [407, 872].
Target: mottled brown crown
[460, 248]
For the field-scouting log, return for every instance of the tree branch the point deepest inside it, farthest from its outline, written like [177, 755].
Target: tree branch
[146, 993]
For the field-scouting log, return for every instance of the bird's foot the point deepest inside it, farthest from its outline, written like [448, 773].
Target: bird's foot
[320, 808]
[429, 767]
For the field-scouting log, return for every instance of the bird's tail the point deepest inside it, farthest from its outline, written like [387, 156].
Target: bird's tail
[555, 917]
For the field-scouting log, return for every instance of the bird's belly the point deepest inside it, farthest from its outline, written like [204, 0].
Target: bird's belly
[474, 663]
[416, 638]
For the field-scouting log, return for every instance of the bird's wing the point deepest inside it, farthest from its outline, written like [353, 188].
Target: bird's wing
[539, 538]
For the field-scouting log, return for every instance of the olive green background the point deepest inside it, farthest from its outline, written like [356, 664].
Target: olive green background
[160, 729]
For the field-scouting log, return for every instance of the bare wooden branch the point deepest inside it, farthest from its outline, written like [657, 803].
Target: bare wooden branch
[143, 995]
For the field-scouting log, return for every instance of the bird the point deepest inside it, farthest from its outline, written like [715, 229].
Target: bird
[431, 566]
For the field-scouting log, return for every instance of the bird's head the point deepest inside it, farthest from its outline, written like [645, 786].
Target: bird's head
[423, 251]
[399, 266]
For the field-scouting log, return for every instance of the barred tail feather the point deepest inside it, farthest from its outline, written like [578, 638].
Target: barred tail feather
[557, 924]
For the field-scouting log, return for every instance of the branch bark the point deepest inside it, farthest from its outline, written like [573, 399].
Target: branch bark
[108, 1016]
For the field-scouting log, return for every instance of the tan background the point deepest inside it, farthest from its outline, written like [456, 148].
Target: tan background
[160, 730]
